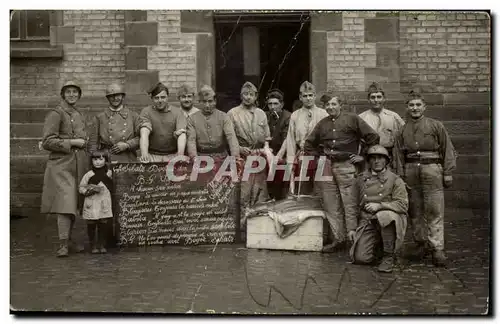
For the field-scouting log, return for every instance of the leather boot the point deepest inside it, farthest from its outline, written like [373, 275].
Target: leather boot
[387, 263]
[439, 258]
[63, 249]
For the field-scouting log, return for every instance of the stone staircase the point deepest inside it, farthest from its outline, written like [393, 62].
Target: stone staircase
[466, 117]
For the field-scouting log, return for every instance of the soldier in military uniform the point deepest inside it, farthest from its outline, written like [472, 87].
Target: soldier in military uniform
[302, 122]
[383, 216]
[117, 128]
[278, 119]
[385, 122]
[65, 137]
[186, 99]
[163, 128]
[425, 158]
[252, 131]
[210, 131]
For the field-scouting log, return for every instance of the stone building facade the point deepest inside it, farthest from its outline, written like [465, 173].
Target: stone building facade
[445, 54]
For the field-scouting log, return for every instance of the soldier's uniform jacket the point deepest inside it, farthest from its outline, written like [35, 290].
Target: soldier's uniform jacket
[250, 125]
[387, 124]
[302, 123]
[423, 137]
[211, 134]
[385, 188]
[66, 164]
[389, 190]
[111, 127]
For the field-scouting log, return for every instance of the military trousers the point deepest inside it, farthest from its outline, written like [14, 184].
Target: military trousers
[426, 196]
[372, 240]
[70, 227]
[339, 196]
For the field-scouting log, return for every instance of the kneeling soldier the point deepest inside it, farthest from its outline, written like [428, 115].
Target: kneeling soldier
[383, 217]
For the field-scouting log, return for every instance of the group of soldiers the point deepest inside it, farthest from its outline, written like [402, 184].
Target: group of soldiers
[382, 168]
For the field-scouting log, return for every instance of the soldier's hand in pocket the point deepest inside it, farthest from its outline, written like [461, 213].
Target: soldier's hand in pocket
[447, 181]
[350, 235]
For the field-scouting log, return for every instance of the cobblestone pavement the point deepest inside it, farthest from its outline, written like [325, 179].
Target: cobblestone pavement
[232, 279]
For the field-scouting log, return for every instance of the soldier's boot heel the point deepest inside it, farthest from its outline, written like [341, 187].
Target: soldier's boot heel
[63, 249]
[387, 263]
[439, 258]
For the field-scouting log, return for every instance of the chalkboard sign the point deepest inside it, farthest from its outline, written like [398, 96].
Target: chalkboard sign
[151, 209]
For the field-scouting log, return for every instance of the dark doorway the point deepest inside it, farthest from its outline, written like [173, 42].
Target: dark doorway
[283, 55]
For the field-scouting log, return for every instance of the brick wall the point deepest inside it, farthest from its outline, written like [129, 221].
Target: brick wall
[446, 52]
[175, 55]
[93, 56]
[97, 56]
[34, 77]
[348, 54]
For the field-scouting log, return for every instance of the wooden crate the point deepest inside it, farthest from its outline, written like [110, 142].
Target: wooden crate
[261, 234]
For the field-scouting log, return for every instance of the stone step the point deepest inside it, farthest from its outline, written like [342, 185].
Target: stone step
[33, 164]
[468, 127]
[473, 164]
[467, 199]
[26, 183]
[472, 182]
[25, 201]
[26, 130]
[471, 144]
[26, 146]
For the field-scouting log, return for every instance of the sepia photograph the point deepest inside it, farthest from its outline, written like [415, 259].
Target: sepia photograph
[250, 162]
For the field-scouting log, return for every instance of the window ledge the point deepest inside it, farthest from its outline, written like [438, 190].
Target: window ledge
[37, 52]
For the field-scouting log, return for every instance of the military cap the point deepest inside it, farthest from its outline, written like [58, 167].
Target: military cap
[184, 90]
[248, 86]
[307, 86]
[206, 91]
[375, 87]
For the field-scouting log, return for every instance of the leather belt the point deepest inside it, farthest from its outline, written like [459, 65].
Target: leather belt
[423, 160]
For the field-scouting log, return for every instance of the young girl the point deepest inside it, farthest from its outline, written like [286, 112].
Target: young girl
[96, 187]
